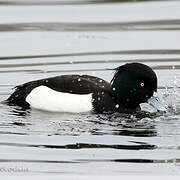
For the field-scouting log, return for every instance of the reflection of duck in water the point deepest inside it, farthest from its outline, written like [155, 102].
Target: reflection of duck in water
[131, 85]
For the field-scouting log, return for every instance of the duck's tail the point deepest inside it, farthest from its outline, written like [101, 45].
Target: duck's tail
[18, 97]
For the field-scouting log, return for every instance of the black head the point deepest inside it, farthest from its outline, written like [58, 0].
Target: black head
[133, 83]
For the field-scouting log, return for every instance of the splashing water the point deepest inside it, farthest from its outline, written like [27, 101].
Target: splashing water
[171, 95]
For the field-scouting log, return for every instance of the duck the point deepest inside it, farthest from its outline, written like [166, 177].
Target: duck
[131, 85]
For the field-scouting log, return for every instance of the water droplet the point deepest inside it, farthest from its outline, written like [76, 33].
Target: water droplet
[78, 145]
[46, 81]
[166, 90]
[100, 80]
[99, 98]
[79, 79]
[102, 92]
[71, 62]
[175, 80]
[117, 106]
[114, 89]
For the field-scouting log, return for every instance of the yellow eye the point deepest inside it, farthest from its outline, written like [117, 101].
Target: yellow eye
[142, 84]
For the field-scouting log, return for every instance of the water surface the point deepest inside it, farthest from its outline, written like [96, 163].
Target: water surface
[41, 39]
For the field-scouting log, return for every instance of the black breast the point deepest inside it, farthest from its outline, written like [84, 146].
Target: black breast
[103, 102]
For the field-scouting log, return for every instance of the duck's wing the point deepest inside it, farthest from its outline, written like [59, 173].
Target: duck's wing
[77, 84]
[74, 84]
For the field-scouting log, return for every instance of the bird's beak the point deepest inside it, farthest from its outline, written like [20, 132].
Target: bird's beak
[157, 104]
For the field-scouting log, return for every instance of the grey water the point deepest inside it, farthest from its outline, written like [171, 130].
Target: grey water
[44, 38]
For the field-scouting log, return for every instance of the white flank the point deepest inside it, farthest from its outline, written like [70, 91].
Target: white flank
[47, 99]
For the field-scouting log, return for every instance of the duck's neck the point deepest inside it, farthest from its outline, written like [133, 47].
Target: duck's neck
[121, 90]
[117, 89]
